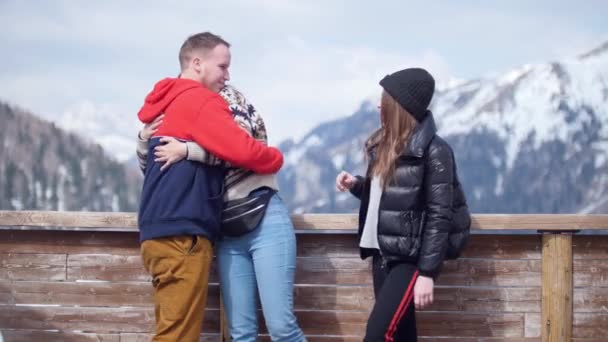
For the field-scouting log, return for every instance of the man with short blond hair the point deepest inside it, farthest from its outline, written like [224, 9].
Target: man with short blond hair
[204, 41]
[179, 216]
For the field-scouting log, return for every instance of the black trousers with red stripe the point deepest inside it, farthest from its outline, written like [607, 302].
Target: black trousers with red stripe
[393, 317]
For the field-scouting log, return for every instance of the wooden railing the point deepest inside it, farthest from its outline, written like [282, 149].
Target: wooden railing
[77, 276]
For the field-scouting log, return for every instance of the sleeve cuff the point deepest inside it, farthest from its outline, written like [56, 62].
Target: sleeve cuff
[195, 152]
[428, 274]
[142, 146]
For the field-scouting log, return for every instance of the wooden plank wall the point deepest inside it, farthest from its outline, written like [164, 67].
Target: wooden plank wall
[90, 286]
[590, 270]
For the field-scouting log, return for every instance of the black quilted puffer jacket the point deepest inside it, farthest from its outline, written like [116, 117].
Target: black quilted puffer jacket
[423, 212]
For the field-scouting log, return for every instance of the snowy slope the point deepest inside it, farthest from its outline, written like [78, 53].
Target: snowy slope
[534, 139]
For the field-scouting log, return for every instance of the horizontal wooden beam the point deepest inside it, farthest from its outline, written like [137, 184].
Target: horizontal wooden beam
[566, 222]
[121, 221]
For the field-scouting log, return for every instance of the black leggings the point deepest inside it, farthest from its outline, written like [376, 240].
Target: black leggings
[393, 317]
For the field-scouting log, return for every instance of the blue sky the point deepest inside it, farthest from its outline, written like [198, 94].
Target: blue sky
[299, 62]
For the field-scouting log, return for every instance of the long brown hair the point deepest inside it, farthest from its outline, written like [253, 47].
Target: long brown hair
[390, 139]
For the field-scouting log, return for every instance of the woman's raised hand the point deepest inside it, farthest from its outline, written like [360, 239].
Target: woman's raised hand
[345, 181]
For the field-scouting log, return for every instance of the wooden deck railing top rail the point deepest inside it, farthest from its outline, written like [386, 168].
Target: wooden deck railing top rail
[112, 221]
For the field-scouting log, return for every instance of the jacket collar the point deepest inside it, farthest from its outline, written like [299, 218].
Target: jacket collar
[421, 138]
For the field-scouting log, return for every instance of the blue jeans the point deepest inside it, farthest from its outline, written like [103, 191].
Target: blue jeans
[263, 260]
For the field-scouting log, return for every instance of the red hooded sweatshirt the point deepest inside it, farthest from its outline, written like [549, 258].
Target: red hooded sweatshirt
[192, 112]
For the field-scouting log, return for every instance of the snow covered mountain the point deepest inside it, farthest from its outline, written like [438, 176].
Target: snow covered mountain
[103, 125]
[534, 140]
[43, 167]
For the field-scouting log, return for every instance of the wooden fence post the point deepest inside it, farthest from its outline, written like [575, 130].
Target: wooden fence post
[557, 287]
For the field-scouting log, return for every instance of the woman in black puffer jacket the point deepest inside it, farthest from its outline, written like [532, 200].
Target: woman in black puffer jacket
[411, 205]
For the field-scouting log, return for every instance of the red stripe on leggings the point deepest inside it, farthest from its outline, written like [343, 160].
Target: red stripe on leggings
[405, 302]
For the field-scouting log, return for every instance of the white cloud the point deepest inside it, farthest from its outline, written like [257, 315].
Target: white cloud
[297, 84]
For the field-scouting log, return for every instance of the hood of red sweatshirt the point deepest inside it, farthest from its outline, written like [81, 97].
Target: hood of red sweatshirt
[164, 92]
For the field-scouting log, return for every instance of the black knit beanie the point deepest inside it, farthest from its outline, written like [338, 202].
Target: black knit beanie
[412, 88]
